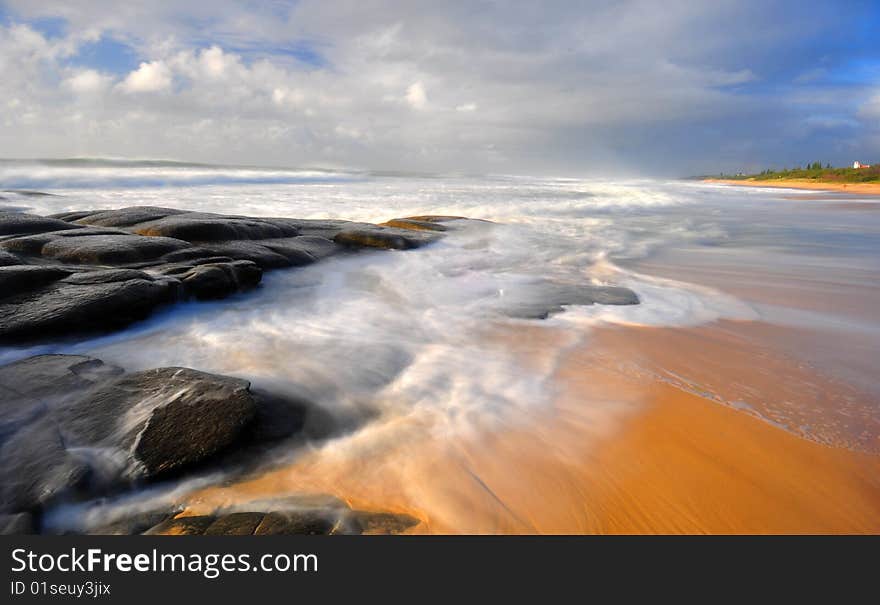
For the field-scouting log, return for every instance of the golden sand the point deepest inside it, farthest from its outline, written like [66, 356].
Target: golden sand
[621, 450]
[861, 188]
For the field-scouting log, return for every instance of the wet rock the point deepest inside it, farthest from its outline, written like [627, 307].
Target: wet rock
[112, 249]
[219, 280]
[37, 468]
[18, 524]
[384, 237]
[19, 223]
[199, 227]
[235, 524]
[290, 523]
[121, 217]
[163, 419]
[23, 278]
[183, 526]
[414, 224]
[8, 259]
[381, 523]
[134, 524]
[64, 308]
[547, 298]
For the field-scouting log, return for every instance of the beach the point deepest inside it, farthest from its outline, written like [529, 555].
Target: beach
[855, 188]
[590, 356]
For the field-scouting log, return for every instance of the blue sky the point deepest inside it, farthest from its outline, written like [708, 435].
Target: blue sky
[562, 87]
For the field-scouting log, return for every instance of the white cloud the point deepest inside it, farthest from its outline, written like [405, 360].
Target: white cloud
[88, 82]
[415, 96]
[149, 77]
[466, 107]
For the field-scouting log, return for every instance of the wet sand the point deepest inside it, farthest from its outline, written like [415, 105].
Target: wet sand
[624, 449]
[860, 188]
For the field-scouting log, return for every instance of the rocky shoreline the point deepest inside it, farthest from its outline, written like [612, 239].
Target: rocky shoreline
[75, 429]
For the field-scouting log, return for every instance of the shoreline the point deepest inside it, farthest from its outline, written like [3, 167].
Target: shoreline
[620, 451]
[854, 188]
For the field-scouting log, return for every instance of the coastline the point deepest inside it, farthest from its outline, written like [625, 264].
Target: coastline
[856, 188]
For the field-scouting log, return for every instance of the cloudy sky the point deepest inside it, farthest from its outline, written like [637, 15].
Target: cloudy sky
[578, 87]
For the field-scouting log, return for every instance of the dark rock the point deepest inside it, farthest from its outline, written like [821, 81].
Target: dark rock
[19, 223]
[235, 524]
[218, 280]
[43, 375]
[203, 227]
[106, 276]
[381, 523]
[547, 298]
[134, 524]
[8, 258]
[122, 217]
[65, 308]
[248, 250]
[277, 416]
[164, 419]
[302, 250]
[24, 278]
[295, 523]
[384, 237]
[183, 526]
[18, 524]
[110, 249]
[37, 468]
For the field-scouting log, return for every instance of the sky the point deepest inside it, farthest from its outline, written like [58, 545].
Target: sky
[587, 87]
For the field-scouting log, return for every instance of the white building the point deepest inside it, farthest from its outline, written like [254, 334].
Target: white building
[858, 165]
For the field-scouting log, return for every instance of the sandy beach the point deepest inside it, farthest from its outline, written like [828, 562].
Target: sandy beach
[860, 188]
[673, 461]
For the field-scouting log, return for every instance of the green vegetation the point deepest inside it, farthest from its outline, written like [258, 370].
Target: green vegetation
[815, 172]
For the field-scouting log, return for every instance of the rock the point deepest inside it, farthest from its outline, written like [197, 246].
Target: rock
[295, 523]
[23, 278]
[384, 237]
[201, 227]
[16, 525]
[64, 308]
[235, 524]
[8, 258]
[122, 217]
[113, 249]
[414, 224]
[37, 468]
[163, 419]
[381, 523]
[218, 280]
[547, 298]
[251, 251]
[134, 524]
[19, 223]
[43, 375]
[182, 526]
[99, 270]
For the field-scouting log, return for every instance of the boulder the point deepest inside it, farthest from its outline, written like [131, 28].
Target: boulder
[163, 419]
